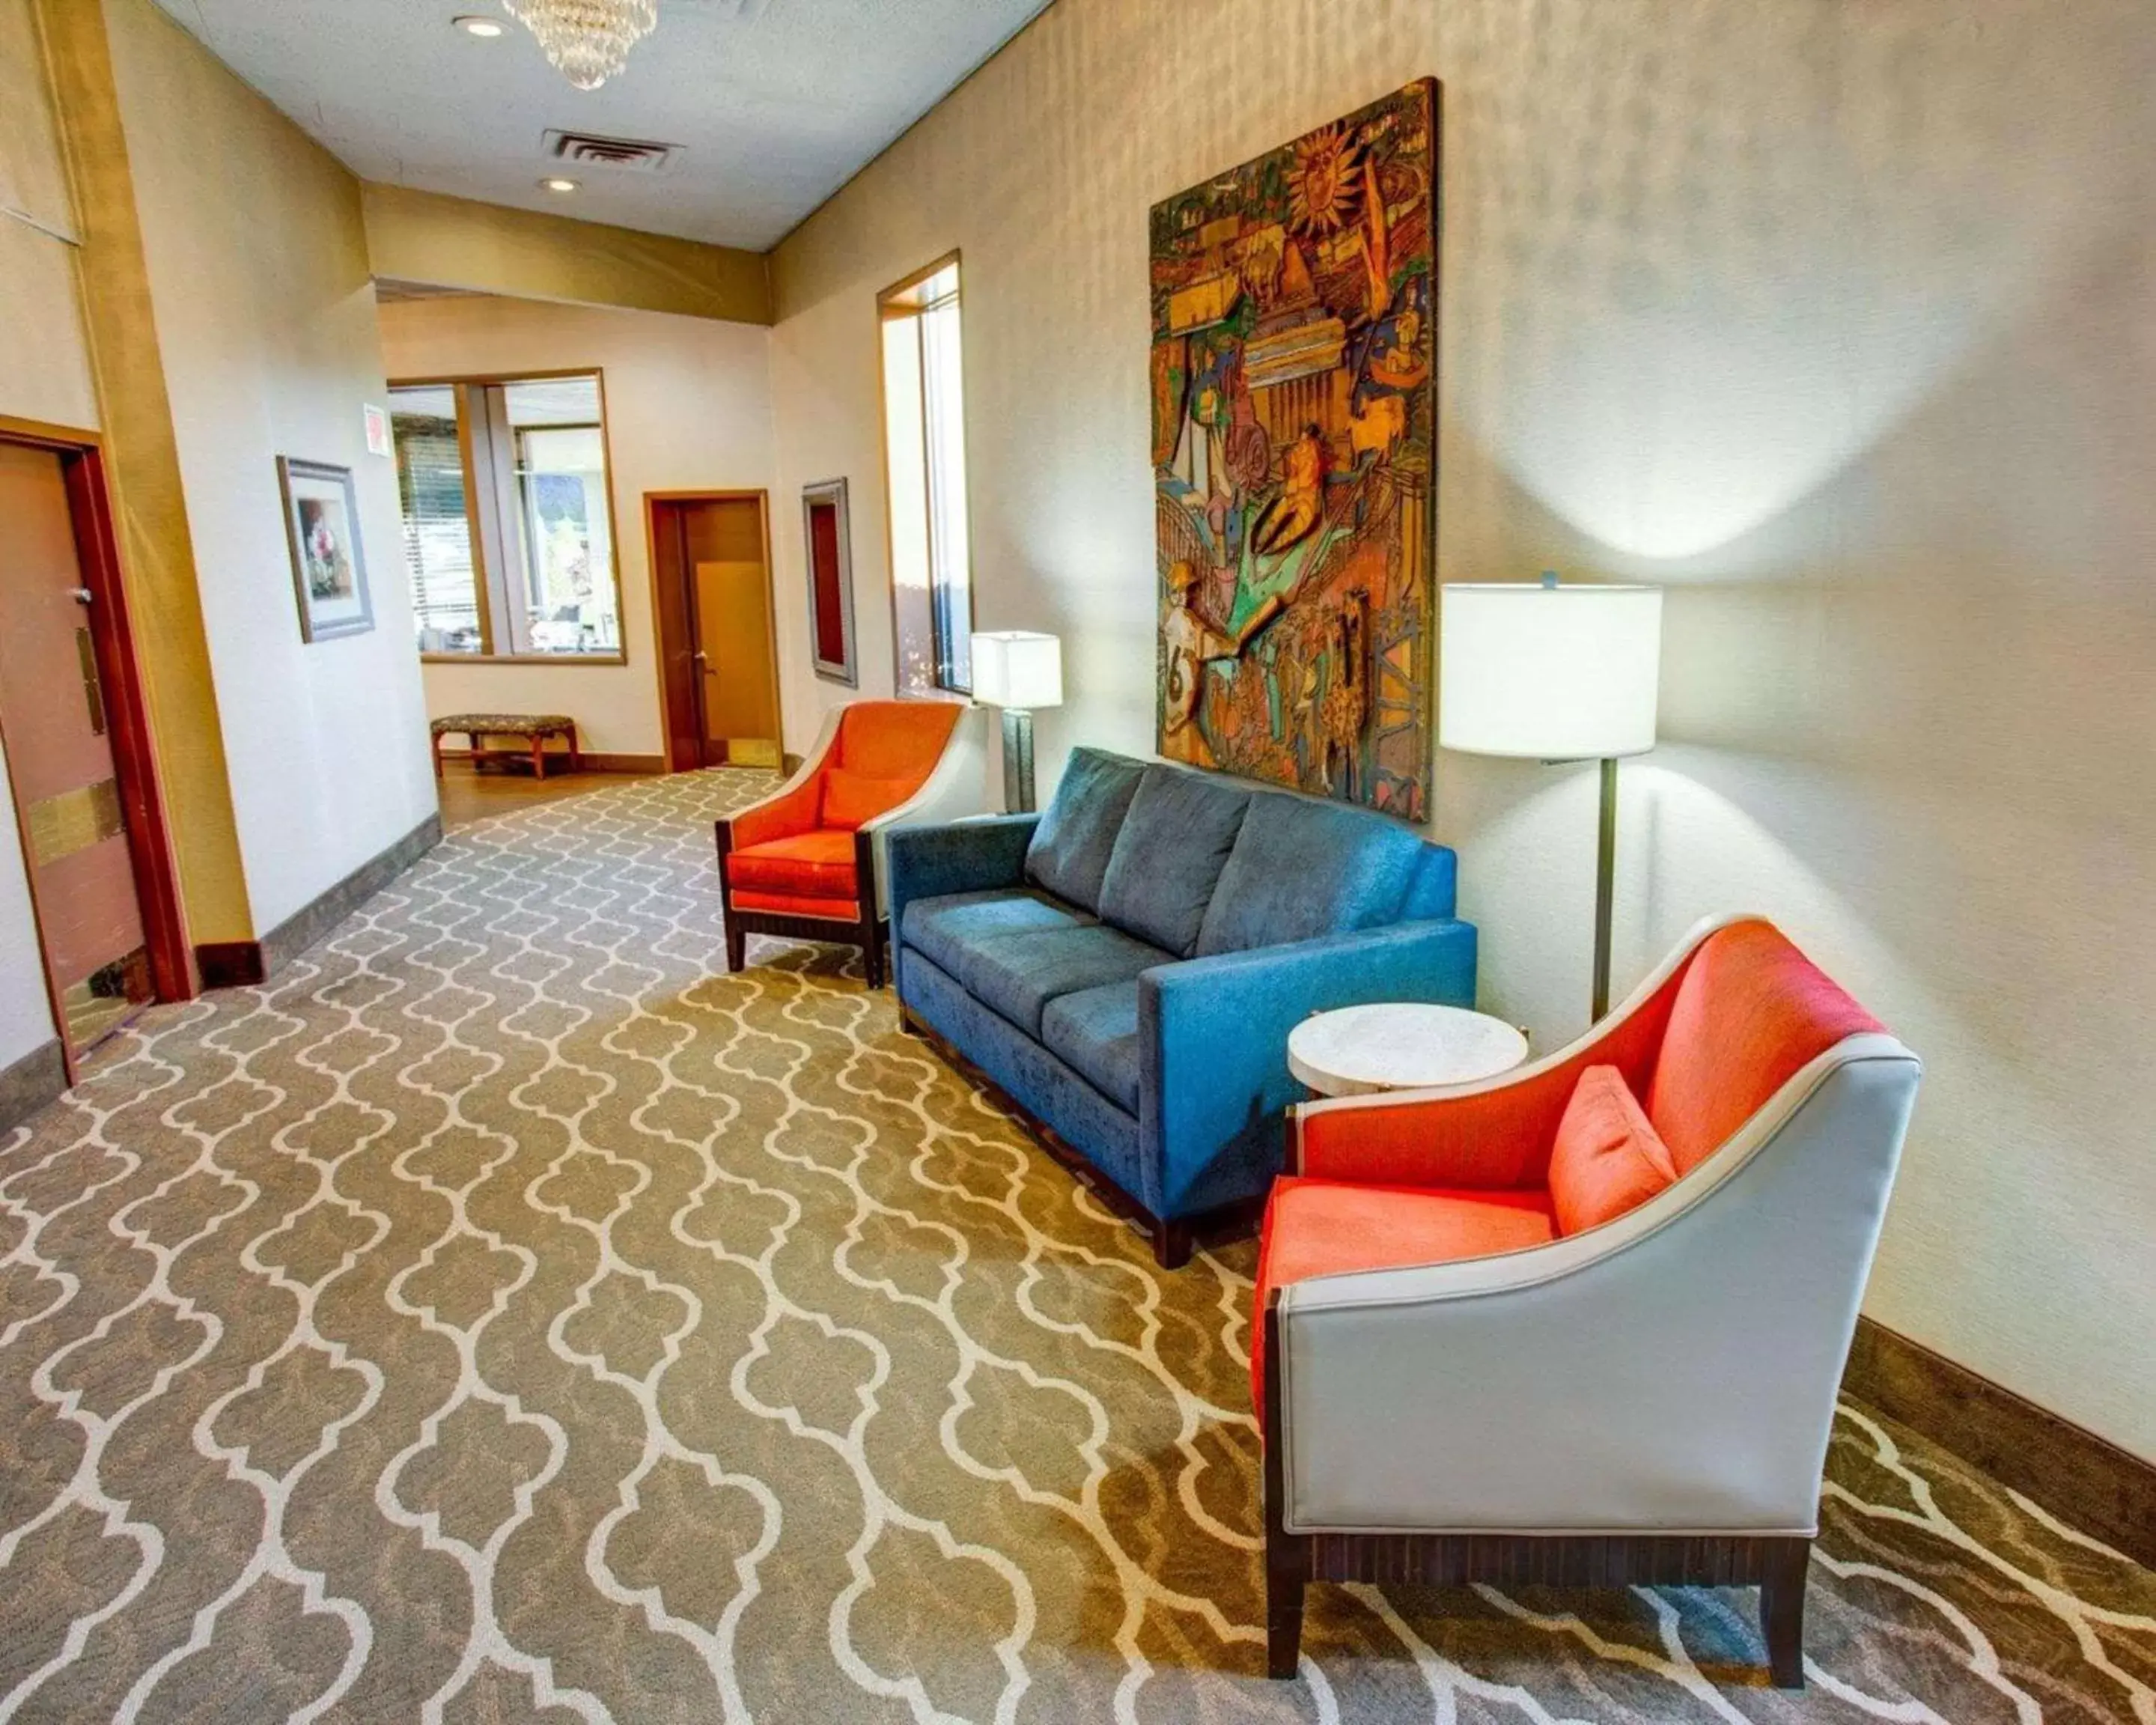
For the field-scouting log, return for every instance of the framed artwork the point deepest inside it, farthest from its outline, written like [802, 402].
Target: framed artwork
[329, 570]
[1293, 451]
[829, 541]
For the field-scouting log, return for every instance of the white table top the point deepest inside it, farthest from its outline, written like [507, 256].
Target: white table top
[1405, 1045]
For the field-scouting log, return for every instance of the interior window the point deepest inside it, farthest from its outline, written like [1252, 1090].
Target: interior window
[508, 532]
[925, 462]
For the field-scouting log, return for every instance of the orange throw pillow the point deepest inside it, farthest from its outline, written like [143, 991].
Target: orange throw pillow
[1609, 1158]
[849, 798]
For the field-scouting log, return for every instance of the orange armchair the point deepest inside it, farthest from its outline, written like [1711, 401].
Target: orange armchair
[807, 862]
[1482, 1357]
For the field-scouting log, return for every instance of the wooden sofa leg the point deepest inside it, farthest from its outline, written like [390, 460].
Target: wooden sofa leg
[736, 948]
[1171, 1244]
[1782, 1611]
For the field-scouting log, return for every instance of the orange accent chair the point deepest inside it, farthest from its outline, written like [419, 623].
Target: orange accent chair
[1584, 1324]
[807, 862]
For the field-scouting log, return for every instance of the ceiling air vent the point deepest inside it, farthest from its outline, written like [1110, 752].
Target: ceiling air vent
[630, 155]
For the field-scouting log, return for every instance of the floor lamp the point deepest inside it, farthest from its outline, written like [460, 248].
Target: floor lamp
[1019, 671]
[1553, 673]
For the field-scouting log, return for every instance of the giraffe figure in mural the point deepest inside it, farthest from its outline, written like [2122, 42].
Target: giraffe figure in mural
[1346, 707]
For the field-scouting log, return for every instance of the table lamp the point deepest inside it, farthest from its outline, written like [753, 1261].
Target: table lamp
[1019, 671]
[1553, 673]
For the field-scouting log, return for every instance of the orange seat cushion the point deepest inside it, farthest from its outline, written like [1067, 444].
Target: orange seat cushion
[849, 798]
[1751, 1013]
[783, 904]
[818, 864]
[1324, 1228]
[1609, 1158]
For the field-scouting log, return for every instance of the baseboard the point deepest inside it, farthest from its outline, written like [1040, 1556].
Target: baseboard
[30, 1083]
[230, 964]
[2080, 1477]
[556, 763]
[238, 964]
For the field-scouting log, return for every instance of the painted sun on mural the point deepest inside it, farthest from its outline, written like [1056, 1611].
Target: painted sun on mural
[1294, 437]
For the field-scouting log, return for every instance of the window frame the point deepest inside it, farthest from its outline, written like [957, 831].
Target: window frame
[483, 571]
[902, 301]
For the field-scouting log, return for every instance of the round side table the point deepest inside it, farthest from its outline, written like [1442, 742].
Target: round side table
[1359, 1050]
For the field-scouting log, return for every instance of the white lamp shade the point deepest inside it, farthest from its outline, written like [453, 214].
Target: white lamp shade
[1548, 673]
[1018, 668]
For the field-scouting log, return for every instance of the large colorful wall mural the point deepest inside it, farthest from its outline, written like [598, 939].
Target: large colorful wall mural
[1294, 441]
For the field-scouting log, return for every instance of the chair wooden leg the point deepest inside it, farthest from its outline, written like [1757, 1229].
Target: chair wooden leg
[539, 758]
[1782, 1612]
[437, 754]
[1287, 1555]
[1287, 1579]
[576, 753]
[1171, 1244]
[736, 948]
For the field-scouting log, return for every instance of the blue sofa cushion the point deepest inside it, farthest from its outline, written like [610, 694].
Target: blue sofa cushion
[1096, 1031]
[1301, 869]
[1070, 851]
[1168, 856]
[945, 928]
[1019, 974]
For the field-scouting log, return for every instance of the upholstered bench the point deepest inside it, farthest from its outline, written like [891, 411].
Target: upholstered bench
[536, 728]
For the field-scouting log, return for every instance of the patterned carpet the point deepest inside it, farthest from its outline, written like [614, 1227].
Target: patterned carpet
[505, 1315]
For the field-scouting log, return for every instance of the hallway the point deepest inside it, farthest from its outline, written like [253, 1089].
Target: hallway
[504, 1314]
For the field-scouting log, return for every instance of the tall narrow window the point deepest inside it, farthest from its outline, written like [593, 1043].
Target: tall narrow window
[924, 458]
[508, 534]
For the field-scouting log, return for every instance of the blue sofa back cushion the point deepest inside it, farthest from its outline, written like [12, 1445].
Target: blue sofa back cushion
[1168, 858]
[1301, 868]
[1070, 851]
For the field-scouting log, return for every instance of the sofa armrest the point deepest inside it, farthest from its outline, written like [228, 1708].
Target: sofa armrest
[1673, 1371]
[955, 790]
[960, 856]
[1213, 1045]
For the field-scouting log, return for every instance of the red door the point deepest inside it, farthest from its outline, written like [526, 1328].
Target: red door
[54, 722]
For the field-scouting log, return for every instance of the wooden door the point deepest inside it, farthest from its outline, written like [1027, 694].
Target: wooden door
[737, 686]
[56, 721]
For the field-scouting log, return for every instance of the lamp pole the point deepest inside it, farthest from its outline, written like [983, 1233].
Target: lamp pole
[1017, 760]
[1605, 869]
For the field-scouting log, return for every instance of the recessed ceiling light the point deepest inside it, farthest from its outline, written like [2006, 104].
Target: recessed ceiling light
[488, 27]
[557, 185]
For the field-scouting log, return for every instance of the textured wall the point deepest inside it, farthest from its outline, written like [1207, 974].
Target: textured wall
[44, 375]
[1835, 319]
[688, 408]
[453, 241]
[265, 312]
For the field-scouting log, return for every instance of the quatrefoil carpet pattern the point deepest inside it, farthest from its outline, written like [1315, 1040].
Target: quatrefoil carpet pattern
[507, 1314]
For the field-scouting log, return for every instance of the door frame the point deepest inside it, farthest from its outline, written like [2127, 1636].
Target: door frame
[673, 620]
[81, 454]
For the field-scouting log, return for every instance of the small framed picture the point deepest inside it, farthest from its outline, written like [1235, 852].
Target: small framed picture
[829, 540]
[329, 572]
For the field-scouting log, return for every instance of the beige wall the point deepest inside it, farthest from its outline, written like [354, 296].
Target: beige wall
[688, 408]
[258, 281]
[44, 376]
[489, 248]
[1836, 320]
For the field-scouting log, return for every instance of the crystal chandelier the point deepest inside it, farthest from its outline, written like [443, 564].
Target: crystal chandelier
[587, 40]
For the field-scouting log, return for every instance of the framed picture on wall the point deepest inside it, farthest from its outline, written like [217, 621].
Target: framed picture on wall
[829, 541]
[329, 571]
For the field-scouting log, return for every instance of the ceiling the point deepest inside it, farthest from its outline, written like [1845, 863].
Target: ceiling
[775, 103]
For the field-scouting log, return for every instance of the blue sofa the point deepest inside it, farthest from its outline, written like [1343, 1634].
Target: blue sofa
[1126, 967]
